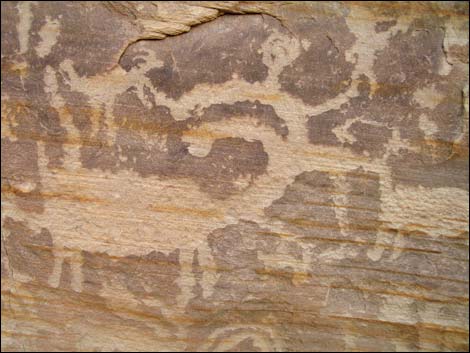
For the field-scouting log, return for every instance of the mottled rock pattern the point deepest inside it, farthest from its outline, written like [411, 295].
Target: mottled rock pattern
[235, 176]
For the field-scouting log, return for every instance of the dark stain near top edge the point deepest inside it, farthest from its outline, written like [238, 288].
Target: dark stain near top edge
[91, 52]
[211, 53]
[9, 39]
[23, 73]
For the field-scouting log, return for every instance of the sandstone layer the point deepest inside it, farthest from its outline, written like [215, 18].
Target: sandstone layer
[235, 176]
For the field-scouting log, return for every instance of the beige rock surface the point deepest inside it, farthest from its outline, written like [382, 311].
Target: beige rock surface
[241, 176]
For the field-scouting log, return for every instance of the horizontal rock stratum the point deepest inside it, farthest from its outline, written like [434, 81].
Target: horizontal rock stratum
[235, 176]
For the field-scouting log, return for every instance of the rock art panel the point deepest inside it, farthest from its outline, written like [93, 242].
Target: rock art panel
[234, 176]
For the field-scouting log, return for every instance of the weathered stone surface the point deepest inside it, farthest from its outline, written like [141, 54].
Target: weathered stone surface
[235, 176]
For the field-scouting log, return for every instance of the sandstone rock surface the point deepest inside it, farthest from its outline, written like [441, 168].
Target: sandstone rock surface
[234, 176]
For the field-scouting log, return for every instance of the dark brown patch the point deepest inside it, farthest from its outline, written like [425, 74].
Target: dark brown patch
[54, 136]
[139, 128]
[20, 174]
[357, 284]
[22, 83]
[152, 275]
[94, 152]
[410, 62]
[197, 272]
[370, 138]
[211, 53]
[22, 75]
[4, 258]
[65, 281]
[29, 253]
[459, 52]
[249, 291]
[10, 44]
[410, 168]
[363, 205]
[434, 11]
[19, 161]
[320, 127]
[384, 26]
[228, 159]
[9, 40]
[306, 204]
[77, 106]
[321, 72]
[91, 52]
[263, 113]
[97, 317]
[308, 209]
[29, 118]
[232, 51]
[415, 58]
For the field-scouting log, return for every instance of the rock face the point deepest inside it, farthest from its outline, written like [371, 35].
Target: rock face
[235, 176]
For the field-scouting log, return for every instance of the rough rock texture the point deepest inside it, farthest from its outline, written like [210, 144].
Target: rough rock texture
[242, 176]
